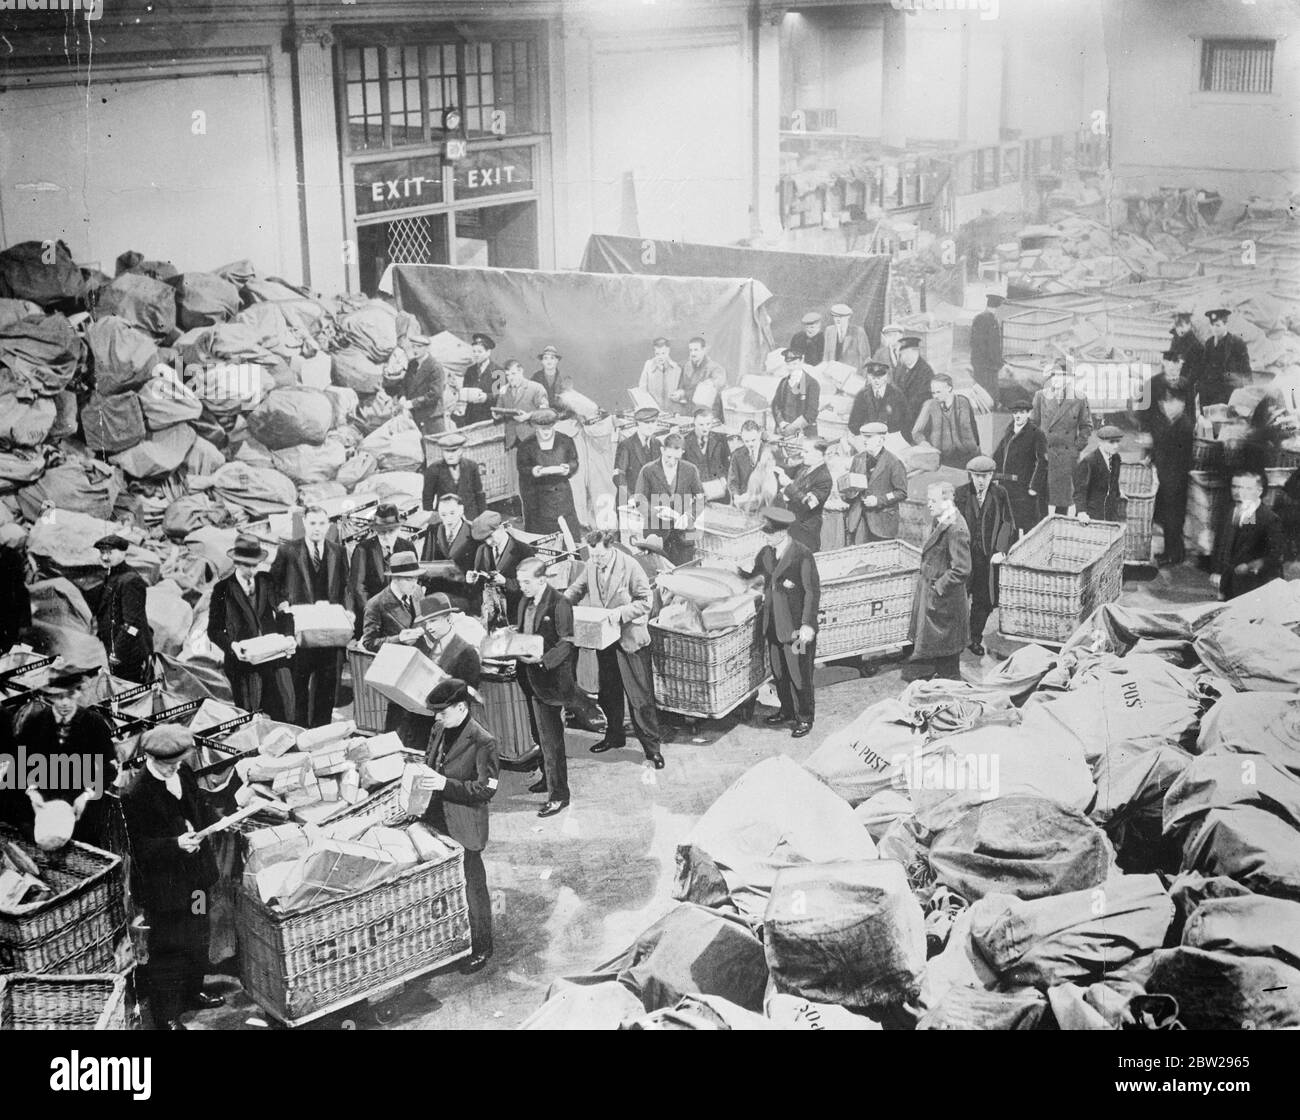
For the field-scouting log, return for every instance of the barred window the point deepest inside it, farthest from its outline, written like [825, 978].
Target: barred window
[1237, 65]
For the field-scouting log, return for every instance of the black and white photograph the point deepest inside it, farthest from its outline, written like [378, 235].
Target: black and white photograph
[697, 515]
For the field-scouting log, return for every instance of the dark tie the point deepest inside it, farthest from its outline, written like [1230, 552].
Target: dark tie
[315, 555]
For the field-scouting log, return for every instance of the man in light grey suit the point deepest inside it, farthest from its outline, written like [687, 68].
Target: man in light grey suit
[845, 342]
[614, 580]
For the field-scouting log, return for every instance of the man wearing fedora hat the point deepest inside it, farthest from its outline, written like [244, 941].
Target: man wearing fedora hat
[454, 474]
[120, 617]
[848, 344]
[986, 506]
[660, 376]
[546, 462]
[391, 613]
[1225, 362]
[556, 383]
[791, 597]
[368, 568]
[463, 755]
[810, 341]
[244, 605]
[172, 872]
[478, 386]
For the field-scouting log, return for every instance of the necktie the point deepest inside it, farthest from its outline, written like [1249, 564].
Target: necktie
[315, 554]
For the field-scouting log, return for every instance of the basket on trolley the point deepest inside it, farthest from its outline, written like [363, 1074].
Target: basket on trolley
[369, 705]
[485, 444]
[707, 675]
[1055, 575]
[40, 1002]
[866, 597]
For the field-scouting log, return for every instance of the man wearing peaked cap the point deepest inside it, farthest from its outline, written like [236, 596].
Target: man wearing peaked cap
[479, 385]
[634, 452]
[1225, 363]
[244, 605]
[1096, 479]
[912, 375]
[848, 343]
[121, 621]
[172, 873]
[467, 766]
[810, 342]
[986, 506]
[791, 597]
[879, 401]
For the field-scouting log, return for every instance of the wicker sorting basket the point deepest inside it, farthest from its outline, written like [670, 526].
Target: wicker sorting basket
[1057, 574]
[1029, 332]
[485, 443]
[369, 705]
[1138, 484]
[39, 1002]
[76, 930]
[706, 675]
[729, 535]
[505, 714]
[866, 597]
[301, 964]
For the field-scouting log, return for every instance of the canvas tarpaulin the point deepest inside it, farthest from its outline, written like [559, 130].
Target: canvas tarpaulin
[799, 282]
[602, 325]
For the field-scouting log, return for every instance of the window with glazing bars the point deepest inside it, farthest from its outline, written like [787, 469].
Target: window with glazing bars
[1237, 65]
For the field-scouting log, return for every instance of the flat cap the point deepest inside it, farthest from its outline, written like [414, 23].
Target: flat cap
[167, 741]
[877, 369]
[451, 440]
[446, 693]
[544, 417]
[485, 524]
[811, 317]
[661, 341]
[549, 350]
[1109, 432]
[981, 464]
[908, 342]
[112, 541]
[875, 428]
[841, 309]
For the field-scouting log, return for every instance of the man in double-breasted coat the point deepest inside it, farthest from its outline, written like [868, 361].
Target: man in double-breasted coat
[1021, 458]
[1064, 418]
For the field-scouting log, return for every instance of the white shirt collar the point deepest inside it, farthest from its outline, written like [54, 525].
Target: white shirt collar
[172, 783]
[1247, 510]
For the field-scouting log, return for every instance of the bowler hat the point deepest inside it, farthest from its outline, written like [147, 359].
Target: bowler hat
[433, 606]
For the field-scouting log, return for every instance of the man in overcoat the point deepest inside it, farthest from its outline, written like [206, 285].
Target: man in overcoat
[940, 626]
[1063, 416]
[986, 507]
[873, 512]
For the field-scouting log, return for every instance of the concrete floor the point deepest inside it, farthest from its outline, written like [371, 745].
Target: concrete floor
[572, 891]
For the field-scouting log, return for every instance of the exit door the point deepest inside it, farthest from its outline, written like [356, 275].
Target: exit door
[422, 239]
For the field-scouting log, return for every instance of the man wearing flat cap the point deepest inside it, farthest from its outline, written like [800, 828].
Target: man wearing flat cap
[496, 562]
[463, 755]
[244, 605]
[64, 729]
[661, 377]
[986, 346]
[913, 376]
[634, 452]
[553, 381]
[874, 508]
[173, 872]
[1021, 458]
[879, 402]
[455, 474]
[847, 343]
[1225, 364]
[810, 342]
[420, 386]
[986, 506]
[1096, 479]
[478, 386]
[547, 461]
[120, 618]
[791, 598]
[887, 351]
[368, 568]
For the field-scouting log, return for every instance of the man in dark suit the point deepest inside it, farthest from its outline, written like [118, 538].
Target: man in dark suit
[496, 561]
[879, 402]
[810, 343]
[439, 642]
[243, 606]
[454, 474]
[940, 626]
[463, 755]
[1170, 423]
[986, 506]
[1096, 479]
[791, 595]
[1184, 343]
[1060, 411]
[1248, 547]
[635, 452]
[986, 346]
[741, 483]
[844, 342]
[873, 511]
[81, 762]
[548, 680]
[313, 570]
[390, 616]
[698, 369]
[368, 568]
[421, 385]
[797, 399]
[546, 462]
[1021, 459]
[912, 376]
[708, 452]
[172, 871]
[1225, 362]
[806, 492]
[478, 386]
[121, 620]
[670, 496]
[15, 599]
[553, 381]
[448, 539]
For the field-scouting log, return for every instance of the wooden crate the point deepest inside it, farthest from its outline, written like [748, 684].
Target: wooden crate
[486, 445]
[1057, 574]
[706, 675]
[866, 597]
